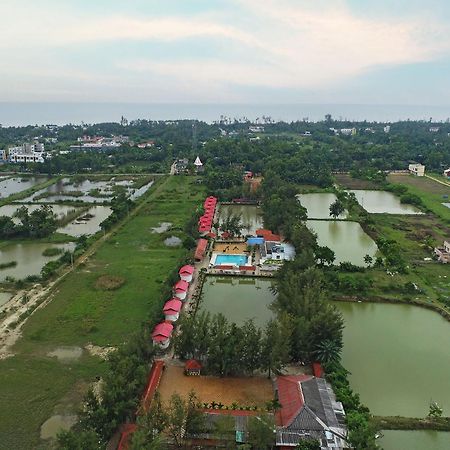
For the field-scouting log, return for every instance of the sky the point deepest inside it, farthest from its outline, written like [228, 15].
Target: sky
[234, 51]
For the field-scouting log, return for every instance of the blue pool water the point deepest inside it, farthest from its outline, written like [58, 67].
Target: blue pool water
[239, 260]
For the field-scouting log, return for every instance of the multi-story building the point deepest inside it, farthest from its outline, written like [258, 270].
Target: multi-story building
[27, 153]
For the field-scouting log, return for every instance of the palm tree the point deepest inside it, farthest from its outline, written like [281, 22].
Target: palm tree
[328, 352]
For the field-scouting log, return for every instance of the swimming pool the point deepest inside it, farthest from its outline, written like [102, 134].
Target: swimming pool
[237, 260]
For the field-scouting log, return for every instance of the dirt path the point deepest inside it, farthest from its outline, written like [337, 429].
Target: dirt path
[438, 181]
[39, 296]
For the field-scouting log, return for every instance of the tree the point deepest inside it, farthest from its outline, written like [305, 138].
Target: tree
[308, 444]
[176, 419]
[261, 432]
[368, 260]
[325, 255]
[336, 209]
[79, 440]
[276, 346]
[435, 410]
[328, 352]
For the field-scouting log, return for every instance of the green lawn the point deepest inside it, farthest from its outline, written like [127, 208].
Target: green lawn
[34, 386]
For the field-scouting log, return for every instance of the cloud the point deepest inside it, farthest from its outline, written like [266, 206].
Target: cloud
[280, 44]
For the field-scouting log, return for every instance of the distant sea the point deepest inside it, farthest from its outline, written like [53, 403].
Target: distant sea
[18, 114]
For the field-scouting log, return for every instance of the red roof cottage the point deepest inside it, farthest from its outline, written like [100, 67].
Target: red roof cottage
[161, 334]
[186, 273]
[180, 289]
[172, 310]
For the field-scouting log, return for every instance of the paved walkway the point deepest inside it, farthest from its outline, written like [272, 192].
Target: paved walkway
[438, 181]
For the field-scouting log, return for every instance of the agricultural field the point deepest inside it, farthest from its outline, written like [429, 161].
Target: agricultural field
[431, 192]
[100, 304]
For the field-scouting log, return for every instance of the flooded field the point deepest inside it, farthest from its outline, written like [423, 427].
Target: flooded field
[251, 216]
[51, 427]
[88, 223]
[29, 258]
[238, 298]
[59, 210]
[346, 239]
[378, 202]
[5, 297]
[13, 185]
[318, 205]
[88, 191]
[393, 351]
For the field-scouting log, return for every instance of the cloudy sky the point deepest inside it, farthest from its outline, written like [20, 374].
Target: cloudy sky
[234, 51]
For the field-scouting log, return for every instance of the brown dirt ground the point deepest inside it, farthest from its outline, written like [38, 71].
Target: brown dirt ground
[244, 391]
[348, 182]
[422, 183]
[234, 248]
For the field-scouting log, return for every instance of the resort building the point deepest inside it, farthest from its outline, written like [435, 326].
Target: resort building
[206, 220]
[180, 289]
[202, 244]
[172, 309]
[447, 173]
[443, 253]
[161, 334]
[417, 169]
[309, 410]
[27, 153]
[186, 273]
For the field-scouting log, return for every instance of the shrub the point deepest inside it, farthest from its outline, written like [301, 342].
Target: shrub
[109, 282]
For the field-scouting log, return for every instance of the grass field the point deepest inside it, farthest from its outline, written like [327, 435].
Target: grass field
[431, 192]
[34, 386]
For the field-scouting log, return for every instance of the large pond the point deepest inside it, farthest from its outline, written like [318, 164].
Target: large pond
[89, 191]
[29, 258]
[415, 440]
[59, 210]
[14, 185]
[251, 216]
[346, 239]
[88, 223]
[398, 356]
[238, 298]
[382, 202]
[318, 205]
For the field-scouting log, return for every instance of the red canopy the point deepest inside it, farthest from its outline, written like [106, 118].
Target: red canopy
[186, 270]
[162, 331]
[201, 248]
[173, 305]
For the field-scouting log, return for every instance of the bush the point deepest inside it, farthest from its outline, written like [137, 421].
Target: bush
[52, 251]
[109, 282]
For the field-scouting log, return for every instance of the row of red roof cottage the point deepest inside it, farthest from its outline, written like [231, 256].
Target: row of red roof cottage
[163, 331]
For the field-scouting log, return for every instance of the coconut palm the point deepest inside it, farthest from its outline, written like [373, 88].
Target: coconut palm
[328, 352]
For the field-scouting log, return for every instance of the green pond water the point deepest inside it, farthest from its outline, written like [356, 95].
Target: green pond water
[251, 216]
[346, 239]
[415, 440]
[238, 298]
[29, 258]
[59, 210]
[398, 356]
[318, 205]
[382, 202]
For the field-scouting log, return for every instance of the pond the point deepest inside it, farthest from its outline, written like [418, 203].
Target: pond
[88, 223]
[415, 440]
[318, 205]
[251, 216]
[59, 210]
[398, 357]
[14, 185]
[379, 202]
[29, 258]
[346, 239]
[238, 298]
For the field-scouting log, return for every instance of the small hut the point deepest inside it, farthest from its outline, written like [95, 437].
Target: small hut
[192, 367]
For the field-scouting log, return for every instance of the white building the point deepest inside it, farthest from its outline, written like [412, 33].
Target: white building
[434, 129]
[417, 169]
[27, 153]
[256, 129]
[348, 131]
[387, 129]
